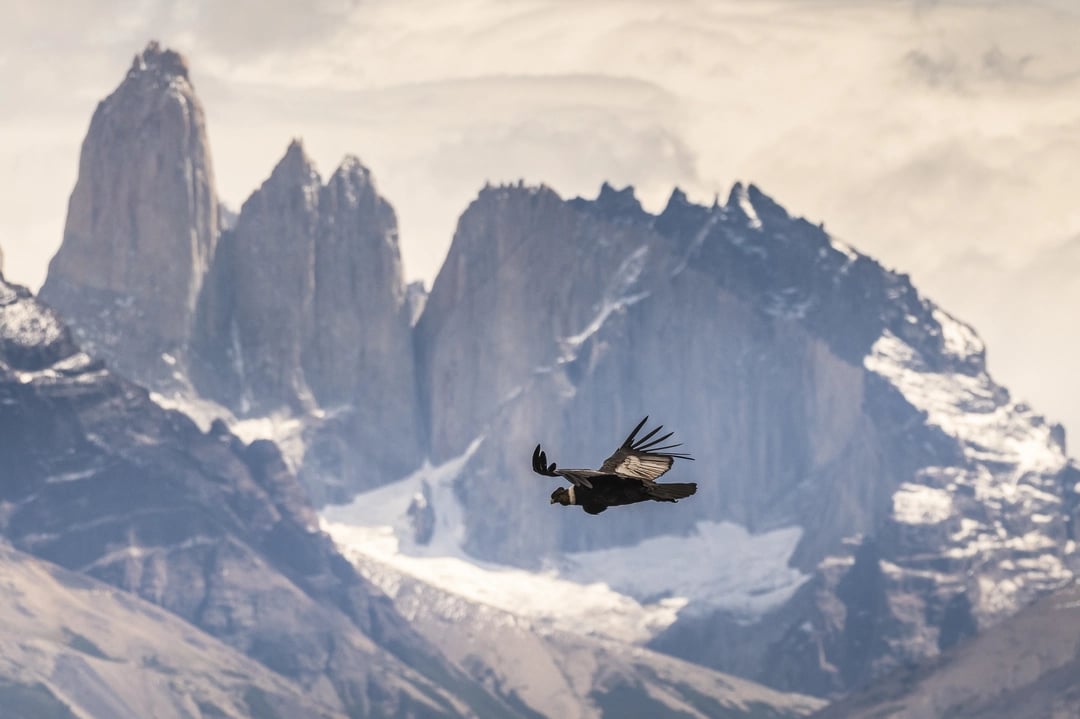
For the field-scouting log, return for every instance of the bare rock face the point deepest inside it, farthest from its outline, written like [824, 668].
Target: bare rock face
[142, 220]
[305, 310]
[591, 318]
[260, 292]
[818, 391]
[1026, 666]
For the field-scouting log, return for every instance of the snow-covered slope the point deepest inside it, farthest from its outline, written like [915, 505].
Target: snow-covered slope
[567, 641]
[1002, 512]
[628, 594]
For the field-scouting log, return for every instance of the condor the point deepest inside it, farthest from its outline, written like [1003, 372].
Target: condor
[626, 477]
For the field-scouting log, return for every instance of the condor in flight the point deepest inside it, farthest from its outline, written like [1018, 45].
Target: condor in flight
[626, 477]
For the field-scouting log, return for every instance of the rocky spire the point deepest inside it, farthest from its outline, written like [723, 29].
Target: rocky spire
[305, 307]
[266, 266]
[142, 220]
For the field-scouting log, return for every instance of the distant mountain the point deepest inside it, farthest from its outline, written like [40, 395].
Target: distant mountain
[304, 311]
[142, 222]
[1026, 666]
[98, 479]
[296, 305]
[821, 394]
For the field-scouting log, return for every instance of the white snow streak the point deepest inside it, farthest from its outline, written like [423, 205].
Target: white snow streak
[919, 504]
[959, 339]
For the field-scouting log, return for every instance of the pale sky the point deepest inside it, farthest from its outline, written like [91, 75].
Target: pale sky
[941, 137]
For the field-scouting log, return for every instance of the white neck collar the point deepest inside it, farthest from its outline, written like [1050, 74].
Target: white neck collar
[573, 498]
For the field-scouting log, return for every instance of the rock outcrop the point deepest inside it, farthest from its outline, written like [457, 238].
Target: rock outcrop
[142, 220]
[99, 479]
[305, 311]
[1026, 666]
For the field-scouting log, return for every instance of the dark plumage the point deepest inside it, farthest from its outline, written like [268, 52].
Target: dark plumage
[626, 477]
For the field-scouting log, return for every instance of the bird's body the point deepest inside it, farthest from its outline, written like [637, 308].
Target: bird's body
[626, 477]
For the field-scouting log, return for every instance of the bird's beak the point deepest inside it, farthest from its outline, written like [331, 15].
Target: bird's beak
[552, 501]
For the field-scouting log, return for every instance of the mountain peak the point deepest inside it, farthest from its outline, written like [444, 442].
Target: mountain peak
[295, 165]
[159, 60]
[352, 171]
[677, 198]
[754, 205]
[139, 233]
[622, 200]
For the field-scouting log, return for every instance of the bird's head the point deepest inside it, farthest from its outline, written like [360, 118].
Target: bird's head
[561, 496]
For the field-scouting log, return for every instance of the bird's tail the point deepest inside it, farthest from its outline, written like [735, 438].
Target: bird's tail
[671, 492]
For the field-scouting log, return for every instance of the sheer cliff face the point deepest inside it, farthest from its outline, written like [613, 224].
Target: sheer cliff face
[304, 309]
[99, 479]
[586, 316]
[142, 219]
[266, 267]
[816, 390]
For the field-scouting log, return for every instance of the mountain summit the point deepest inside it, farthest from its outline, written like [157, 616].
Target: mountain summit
[142, 220]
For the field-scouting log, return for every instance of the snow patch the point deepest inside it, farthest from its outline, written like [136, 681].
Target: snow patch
[286, 430]
[959, 339]
[919, 504]
[743, 200]
[843, 248]
[27, 324]
[719, 566]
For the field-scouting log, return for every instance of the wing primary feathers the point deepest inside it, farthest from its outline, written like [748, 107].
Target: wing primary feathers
[643, 446]
[657, 450]
[630, 439]
[540, 463]
[643, 440]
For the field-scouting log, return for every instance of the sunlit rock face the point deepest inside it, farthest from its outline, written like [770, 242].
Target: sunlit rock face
[142, 220]
[816, 389]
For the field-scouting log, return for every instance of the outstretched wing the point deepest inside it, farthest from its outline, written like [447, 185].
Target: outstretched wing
[646, 458]
[579, 477]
